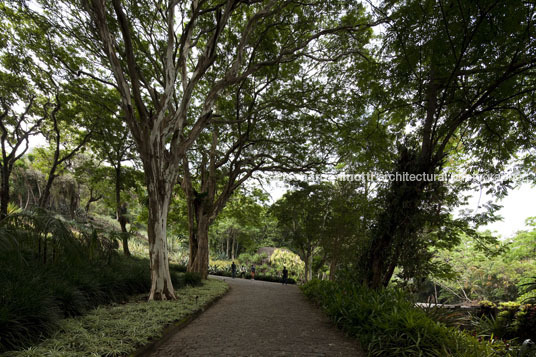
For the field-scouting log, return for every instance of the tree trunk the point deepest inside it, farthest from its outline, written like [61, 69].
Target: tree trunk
[125, 237]
[233, 248]
[332, 269]
[91, 200]
[74, 200]
[43, 200]
[310, 277]
[199, 254]
[159, 198]
[306, 270]
[4, 191]
[308, 258]
[121, 210]
[227, 247]
[395, 225]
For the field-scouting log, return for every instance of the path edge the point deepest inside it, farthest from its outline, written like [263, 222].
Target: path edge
[175, 327]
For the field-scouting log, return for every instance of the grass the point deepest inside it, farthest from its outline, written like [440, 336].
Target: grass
[120, 329]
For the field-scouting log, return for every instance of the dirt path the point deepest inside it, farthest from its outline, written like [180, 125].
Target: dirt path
[258, 318]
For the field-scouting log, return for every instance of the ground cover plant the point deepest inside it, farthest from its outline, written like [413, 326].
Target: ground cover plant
[120, 329]
[387, 323]
[51, 269]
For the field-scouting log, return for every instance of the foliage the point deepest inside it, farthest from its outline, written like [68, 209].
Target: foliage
[266, 272]
[497, 271]
[284, 258]
[302, 217]
[51, 269]
[387, 323]
[119, 329]
[220, 265]
[243, 224]
[508, 320]
[461, 106]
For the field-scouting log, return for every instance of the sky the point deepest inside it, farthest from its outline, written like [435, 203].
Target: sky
[519, 205]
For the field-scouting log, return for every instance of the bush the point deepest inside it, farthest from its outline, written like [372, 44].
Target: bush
[387, 323]
[35, 297]
[273, 279]
[509, 320]
[220, 265]
[120, 329]
[262, 277]
[244, 259]
[192, 279]
[50, 269]
[283, 258]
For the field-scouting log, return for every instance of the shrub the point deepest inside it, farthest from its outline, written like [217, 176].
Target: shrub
[120, 329]
[35, 297]
[192, 279]
[387, 323]
[273, 279]
[50, 269]
[220, 265]
[487, 308]
[283, 258]
[509, 320]
[244, 259]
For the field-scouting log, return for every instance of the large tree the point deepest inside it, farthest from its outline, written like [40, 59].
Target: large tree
[303, 215]
[22, 106]
[171, 61]
[261, 127]
[461, 75]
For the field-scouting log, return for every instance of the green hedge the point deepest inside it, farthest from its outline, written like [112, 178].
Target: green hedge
[387, 324]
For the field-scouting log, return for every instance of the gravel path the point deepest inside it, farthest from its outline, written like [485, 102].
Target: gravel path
[258, 318]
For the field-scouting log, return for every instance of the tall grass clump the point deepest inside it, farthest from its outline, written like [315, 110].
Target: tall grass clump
[51, 269]
[387, 323]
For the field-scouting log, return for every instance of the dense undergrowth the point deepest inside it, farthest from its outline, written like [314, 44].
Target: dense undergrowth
[121, 329]
[387, 323]
[51, 269]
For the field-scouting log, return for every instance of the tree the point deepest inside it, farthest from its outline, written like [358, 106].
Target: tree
[162, 56]
[22, 111]
[462, 78]
[71, 126]
[347, 225]
[249, 136]
[279, 121]
[302, 215]
[240, 225]
[114, 144]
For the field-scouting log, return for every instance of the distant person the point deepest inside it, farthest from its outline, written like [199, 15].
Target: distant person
[253, 272]
[285, 276]
[233, 269]
[243, 271]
